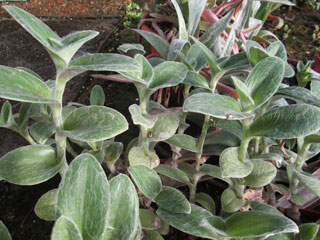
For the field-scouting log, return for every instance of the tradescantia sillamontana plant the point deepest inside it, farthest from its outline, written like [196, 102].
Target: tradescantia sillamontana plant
[86, 205]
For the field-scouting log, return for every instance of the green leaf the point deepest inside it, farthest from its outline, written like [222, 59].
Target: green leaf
[42, 131]
[286, 2]
[131, 49]
[94, 123]
[257, 54]
[199, 222]
[299, 94]
[183, 34]
[165, 127]
[65, 229]
[244, 93]
[196, 80]
[97, 96]
[6, 117]
[29, 165]
[183, 141]
[196, 58]
[234, 127]
[160, 44]
[206, 201]
[123, 220]
[149, 220]
[137, 156]
[105, 62]
[113, 152]
[242, 15]
[262, 207]
[176, 46]
[4, 233]
[172, 200]
[46, 206]
[214, 31]
[147, 180]
[277, 49]
[83, 196]
[19, 85]
[195, 11]
[152, 235]
[308, 231]
[235, 62]
[265, 79]
[174, 173]
[222, 137]
[147, 121]
[310, 182]
[230, 202]
[262, 173]
[315, 88]
[231, 166]
[287, 122]
[227, 49]
[168, 74]
[187, 168]
[213, 171]
[256, 224]
[215, 105]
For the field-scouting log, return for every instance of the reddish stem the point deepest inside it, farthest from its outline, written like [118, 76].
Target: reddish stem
[223, 6]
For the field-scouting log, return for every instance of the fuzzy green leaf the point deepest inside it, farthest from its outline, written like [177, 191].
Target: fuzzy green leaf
[113, 152]
[19, 85]
[83, 196]
[244, 93]
[147, 180]
[199, 222]
[308, 231]
[165, 127]
[256, 224]
[65, 229]
[183, 34]
[46, 206]
[213, 171]
[97, 96]
[287, 122]
[123, 220]
[196, 8]
[183, 141]
[138, 119]
[196, 80]
[230, 202]
[206, 201]
[131, 49]
[94, 123]
[310, 182]
[137, 156]
[262, 173]
[215, 105]
[231, 166]
[299, 94]
[174, 173]
[149, 220]
[172, 200]
[4, 233]
[152, 235]
[42, 131]
[29, 165]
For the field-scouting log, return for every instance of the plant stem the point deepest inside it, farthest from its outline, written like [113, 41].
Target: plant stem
[193, 187]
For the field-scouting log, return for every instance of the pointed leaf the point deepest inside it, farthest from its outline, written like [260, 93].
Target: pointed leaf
[244, 93]
[310, 182]
[195, 11]
[6, 117]
[262, 207]
[164, 128]
[19, 85]
[131, 49]
[46, 206]
[174, 173]
[255, 224]
[262, 173]
[215, 105]
[206, 201]
[147, 180]
[196, 58]
[97, 96]
[123, 217]
[94, 123]
[299, 94]
[196, 80]
[227, 49]
[4, 233]
[280, 122]
[183, 34]
[176, 46]
[277, 49]
[42, 131]
[265, 79]
[172, 200]
[138, 156]
[65, 229]
[231, 166]
[196, 223]
[147, 121]
[214, 31]
[168, 74]
[160, 44]
[105, 62]
[29, 165]
[83, 196]
[257, 54]
[183, 141]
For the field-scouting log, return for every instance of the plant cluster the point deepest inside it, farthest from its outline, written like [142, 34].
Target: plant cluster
[232, 89]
